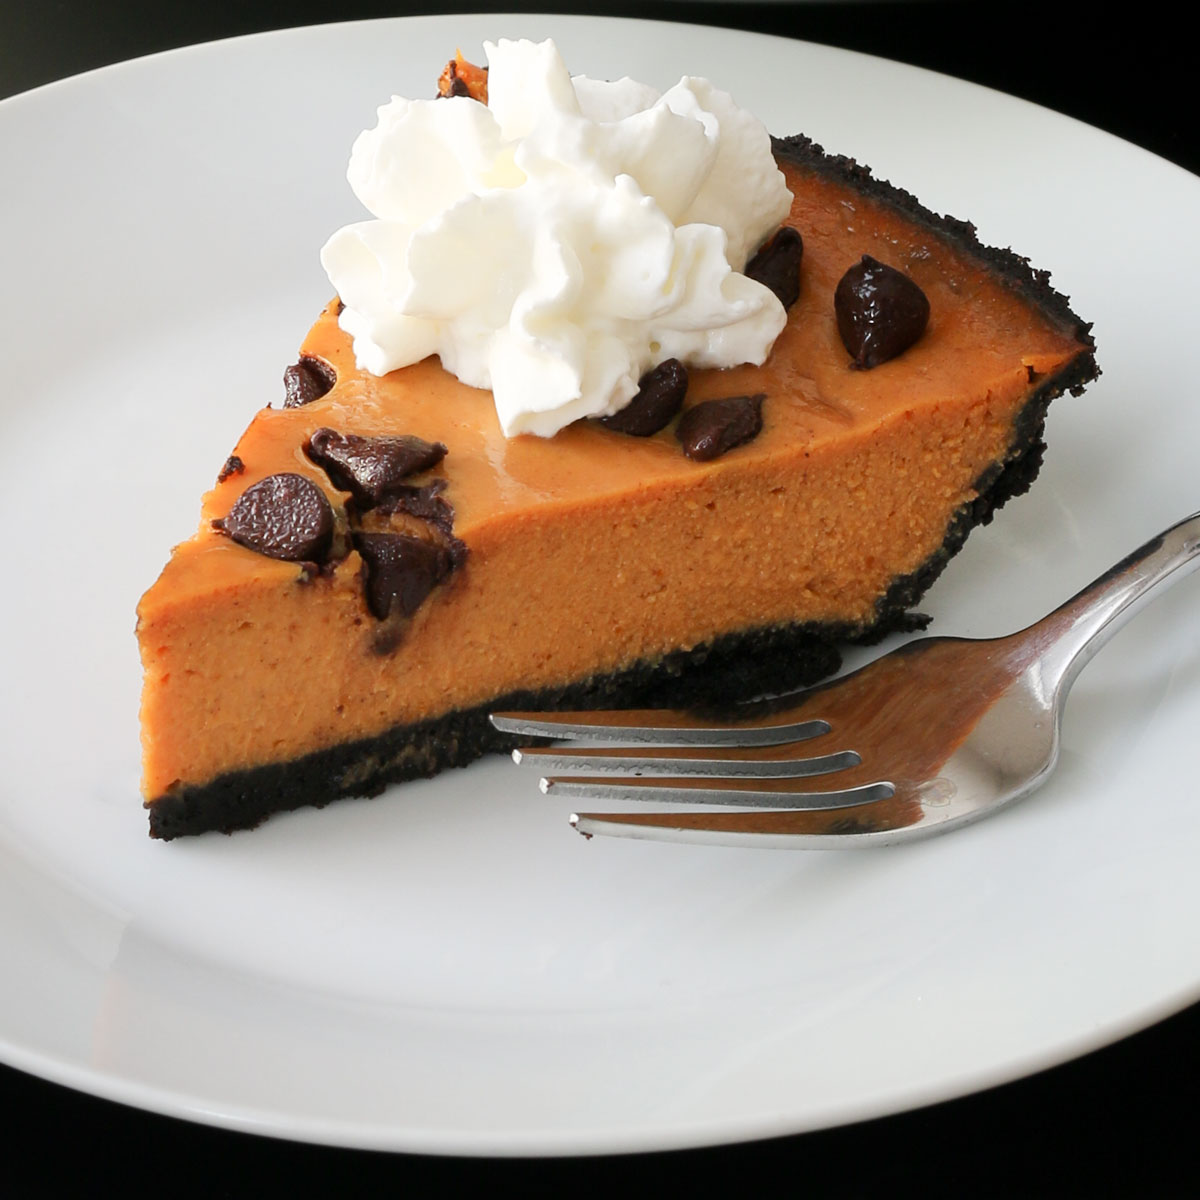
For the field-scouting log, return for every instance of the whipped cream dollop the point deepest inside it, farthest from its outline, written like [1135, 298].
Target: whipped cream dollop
[558, 242]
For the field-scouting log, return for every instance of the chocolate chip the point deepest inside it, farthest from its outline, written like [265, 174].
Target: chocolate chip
[777, 265]
[283, 516]
[425, 503]
[880, 312]
[473, 84]
[711, 427]
[371, 468]
[306, 381]
[233, 466]
[659, 397]
[457, 550]
[400, 571]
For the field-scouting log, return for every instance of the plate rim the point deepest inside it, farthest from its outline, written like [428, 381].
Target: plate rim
[180, 1104]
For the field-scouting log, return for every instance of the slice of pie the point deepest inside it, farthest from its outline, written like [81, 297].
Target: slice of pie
[378, 567]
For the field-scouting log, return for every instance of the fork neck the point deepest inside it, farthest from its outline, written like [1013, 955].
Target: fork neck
[1072, 633]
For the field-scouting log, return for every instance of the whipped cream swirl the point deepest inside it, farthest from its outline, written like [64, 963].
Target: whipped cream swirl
[561, 240]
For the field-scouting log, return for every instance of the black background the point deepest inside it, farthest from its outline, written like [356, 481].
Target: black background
[1118, 1122]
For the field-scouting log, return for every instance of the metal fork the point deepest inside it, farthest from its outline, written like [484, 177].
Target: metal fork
[935, 734]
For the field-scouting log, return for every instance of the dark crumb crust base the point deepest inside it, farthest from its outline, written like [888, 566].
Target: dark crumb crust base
[734, 667]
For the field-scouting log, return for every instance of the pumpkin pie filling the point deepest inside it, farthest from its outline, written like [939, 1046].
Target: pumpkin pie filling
[597, 567]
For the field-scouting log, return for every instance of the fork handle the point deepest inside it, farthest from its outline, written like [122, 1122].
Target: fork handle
[1068, 637]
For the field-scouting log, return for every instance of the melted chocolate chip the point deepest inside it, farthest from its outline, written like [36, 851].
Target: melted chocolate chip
[457, 550]
[400, 571]
[659, 397]
[425, 503]
[306, 381]
[233, 466]
[283, 516]
[777, 265]
[371, 468]
[708, 429]
[880, 312]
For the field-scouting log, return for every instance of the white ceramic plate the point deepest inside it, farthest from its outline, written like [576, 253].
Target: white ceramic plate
[451, 968]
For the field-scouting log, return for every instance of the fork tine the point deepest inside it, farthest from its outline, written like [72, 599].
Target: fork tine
[730, 763]
[655, 727]
[755, 829]
[775, 795]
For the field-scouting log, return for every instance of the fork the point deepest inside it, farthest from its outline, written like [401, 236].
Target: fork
[938, 733]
